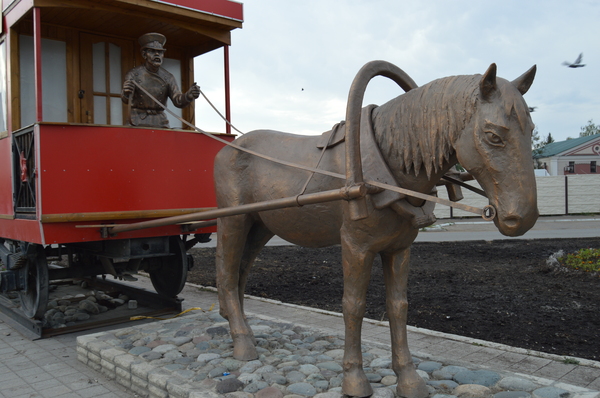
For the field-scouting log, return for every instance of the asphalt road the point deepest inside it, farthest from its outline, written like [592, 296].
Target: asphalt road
[555, 227]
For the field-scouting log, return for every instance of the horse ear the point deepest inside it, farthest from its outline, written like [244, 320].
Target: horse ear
[524, 81]
[488, 82]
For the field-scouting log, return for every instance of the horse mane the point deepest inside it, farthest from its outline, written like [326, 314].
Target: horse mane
[420, 127]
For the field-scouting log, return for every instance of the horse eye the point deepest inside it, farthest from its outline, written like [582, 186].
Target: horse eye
[493, 138]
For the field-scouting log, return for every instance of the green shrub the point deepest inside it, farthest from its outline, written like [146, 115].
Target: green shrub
[584, 259]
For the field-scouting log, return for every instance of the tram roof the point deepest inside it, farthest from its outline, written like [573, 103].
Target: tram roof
[199, 25]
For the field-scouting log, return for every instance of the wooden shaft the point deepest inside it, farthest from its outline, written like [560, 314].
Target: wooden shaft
[294, 201]
[196, 225]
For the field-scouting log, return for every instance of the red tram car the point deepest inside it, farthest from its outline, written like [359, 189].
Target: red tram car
[68, 161]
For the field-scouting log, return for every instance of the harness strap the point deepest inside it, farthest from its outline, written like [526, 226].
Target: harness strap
[403, 191]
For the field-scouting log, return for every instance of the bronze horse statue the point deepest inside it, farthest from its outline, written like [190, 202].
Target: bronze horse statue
[481, 122]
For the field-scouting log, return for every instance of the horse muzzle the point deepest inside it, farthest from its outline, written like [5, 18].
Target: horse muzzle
[514, 223]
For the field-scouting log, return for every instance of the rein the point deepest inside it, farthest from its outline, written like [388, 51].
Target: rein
[487, 213]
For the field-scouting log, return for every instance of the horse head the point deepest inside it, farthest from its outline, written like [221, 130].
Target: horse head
[495, 148]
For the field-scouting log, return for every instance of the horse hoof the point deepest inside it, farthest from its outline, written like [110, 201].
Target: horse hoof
[245, 353]
[412, 387]
[356, 386]
[244, 350]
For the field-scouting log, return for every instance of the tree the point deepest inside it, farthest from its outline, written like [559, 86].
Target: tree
[535, 142]
[589, 129]
[538, 144]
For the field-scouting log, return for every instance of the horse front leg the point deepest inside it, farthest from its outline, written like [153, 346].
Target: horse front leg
[357, 274]
[232, 234]
[395, 272]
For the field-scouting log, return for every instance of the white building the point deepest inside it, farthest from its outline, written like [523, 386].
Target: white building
[574, 156]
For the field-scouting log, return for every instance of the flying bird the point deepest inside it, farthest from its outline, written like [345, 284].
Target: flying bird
[576, 64]
[532, 108]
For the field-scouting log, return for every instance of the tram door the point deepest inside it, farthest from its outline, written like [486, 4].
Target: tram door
[104, 62]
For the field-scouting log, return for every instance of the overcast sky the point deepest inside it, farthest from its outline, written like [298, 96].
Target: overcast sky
[294, 60]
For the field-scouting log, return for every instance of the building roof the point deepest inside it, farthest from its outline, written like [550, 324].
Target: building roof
[559, 147]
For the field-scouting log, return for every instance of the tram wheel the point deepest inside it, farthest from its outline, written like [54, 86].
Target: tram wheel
[169, 279]
[34, 298]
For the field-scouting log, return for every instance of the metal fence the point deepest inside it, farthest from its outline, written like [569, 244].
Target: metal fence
[557, 195]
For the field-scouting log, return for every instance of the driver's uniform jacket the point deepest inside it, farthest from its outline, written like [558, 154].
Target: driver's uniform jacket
[144, 111]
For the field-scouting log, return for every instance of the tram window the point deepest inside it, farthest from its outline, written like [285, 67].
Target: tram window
[102, 61]
[3, 90]
[174, 67]
[107, 83]
[54, 80]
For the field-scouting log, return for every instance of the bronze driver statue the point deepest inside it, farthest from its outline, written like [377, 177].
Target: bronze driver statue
[143, 111]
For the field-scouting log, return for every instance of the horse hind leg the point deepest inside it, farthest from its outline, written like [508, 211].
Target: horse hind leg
[232, 235]
[395, 272]
[258, 237]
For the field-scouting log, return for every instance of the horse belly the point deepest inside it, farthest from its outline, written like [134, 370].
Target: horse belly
[309, 226]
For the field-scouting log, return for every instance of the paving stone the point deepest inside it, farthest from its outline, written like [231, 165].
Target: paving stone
[250, 366]
[517, 384]
[304, 389]
[472, 391]
[139, 350]
[512, 394]
[485, 378]
[232, 364]
[429, 366]
[308, 369]
[265, 369]
[163, 348]
[216, 372]
[383, 393]
[217, 331]
[373, 377]
[329, 394]
[207, 357]
[333, 366]
[179, 340]
[274, 378]
[447, 372]
[550, 392]
[424, 375]
[270, 392]
[229, 385]
[255, 386]
[443, 384]
[295, 376]
[381, 363]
